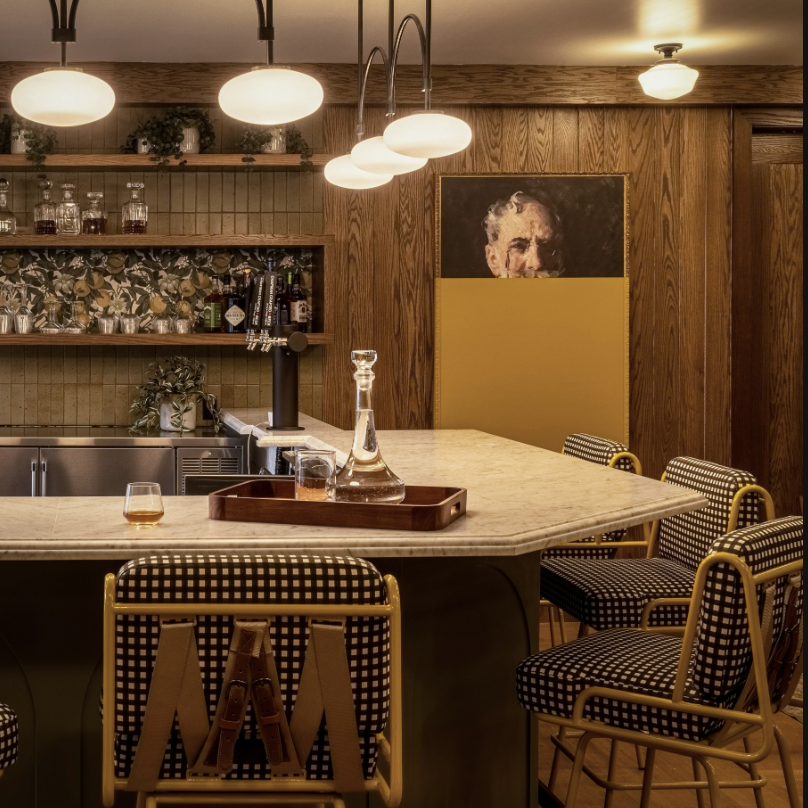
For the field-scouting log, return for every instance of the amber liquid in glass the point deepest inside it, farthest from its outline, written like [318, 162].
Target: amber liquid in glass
[311, 490]
[134, 227]
[143, 517]
[94, 227]
[45, 227]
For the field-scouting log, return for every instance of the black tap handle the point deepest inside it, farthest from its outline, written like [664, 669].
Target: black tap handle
[297, 341]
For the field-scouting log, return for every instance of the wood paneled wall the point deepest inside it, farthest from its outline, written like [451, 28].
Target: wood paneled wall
[679, 162]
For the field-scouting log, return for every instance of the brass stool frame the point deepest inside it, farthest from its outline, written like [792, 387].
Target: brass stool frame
[281, 791]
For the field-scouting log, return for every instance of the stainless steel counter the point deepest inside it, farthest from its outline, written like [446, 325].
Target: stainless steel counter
[114, 437]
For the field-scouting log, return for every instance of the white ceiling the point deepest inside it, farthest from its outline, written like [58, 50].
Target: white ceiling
[588, 32]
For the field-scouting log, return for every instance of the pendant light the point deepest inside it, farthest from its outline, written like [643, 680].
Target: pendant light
[374, 156]
[428, 134]
[342, 171]
[668, 78]
[270, 94]
[63, 96]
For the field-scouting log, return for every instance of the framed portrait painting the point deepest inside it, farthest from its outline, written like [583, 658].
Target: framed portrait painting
[547, 356]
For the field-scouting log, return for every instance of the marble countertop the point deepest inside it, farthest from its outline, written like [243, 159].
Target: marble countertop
[521, 499]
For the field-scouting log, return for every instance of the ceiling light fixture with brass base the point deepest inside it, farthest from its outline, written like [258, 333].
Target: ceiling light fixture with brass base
[668, 78]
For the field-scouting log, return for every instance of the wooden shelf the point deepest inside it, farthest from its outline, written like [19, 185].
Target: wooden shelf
[141, 340]
[142, 162]
[106, 242]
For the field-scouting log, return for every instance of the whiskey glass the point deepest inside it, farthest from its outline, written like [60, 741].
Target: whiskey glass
[144, 505]
[315, 474]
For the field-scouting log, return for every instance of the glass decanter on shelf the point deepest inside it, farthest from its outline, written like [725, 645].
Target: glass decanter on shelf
[68, 212]
[94, 219]
[45, 214]
[135, 213]
[76, 324]
[366, 477]
[8, 222]
[53, 308]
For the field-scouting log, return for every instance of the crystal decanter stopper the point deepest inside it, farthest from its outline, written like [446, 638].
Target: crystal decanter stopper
[366, 477]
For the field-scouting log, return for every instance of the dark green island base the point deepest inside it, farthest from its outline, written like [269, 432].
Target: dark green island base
[467, 623]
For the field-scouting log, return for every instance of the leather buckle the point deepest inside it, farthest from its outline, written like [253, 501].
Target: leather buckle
[233, 683]
[264, 681]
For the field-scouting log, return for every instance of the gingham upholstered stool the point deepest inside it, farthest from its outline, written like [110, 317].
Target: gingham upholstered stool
[603, 452]
[612, 593]
[9, 738]
[695, 696]
[284, 671]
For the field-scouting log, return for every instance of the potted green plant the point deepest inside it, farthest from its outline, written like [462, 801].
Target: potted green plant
[260, 139]
[170, 396]
[177, 132]
[18, 136]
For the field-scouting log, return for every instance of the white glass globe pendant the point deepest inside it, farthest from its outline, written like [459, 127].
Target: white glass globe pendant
[271, 95]
[63, 96]
[343, 172]
[668, 78]
[428, 134]
[373, 155]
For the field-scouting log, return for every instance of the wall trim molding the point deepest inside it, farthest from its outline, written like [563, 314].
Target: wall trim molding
[142, 83]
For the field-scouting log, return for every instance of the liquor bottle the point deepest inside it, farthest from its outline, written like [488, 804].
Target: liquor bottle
[299, 311]
[94, 219]
[45, 211]
[68, 212]
[282, 301]
[8, 222]
[135, 213]
[235, 308]
[212, 312]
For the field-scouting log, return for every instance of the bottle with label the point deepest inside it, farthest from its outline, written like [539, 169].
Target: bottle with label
[282, 301]
[235, 308]
[299, 308]
[213, 308]
[8, 222]
[45, 212]
[68, 212]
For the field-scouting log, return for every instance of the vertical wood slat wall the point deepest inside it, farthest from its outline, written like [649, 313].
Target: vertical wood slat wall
[94, 386]
[679, 163]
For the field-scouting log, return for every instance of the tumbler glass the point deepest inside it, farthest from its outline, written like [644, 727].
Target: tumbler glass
[315, 474]
[144, 505]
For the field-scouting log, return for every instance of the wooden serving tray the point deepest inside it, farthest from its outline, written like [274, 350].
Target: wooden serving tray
[273, 501]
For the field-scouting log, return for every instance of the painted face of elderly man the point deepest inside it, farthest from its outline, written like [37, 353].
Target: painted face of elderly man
[524, 239]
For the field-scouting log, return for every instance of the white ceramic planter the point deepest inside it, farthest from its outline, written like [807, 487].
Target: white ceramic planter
[143, 146]
[18, 145]
[167, 411]
[278, 143]
[190, 140]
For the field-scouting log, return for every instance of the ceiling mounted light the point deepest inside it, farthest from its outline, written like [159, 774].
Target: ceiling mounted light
[373, 155]
[270, 94]
[342, 171]
[63, 96]
[428, 134]
[668, 78]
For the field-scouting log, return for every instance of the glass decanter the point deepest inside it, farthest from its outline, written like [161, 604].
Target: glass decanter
[53, 308]
[94, 219]
[8, 222]
[366, 477]
[68, 212]
[45, 214]
[76, 324]
[135, 213]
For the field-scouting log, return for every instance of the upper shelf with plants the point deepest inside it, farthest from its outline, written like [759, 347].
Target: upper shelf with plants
[176, 138]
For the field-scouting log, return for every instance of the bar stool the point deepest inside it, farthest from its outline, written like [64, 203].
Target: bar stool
[9, 738]
[284, 672]
[737, 665]
[603, 452]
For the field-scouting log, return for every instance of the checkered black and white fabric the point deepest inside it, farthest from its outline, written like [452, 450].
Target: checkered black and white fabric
[9, 737]
[252, 579]
[724, 654]
[687, 538]
[643, 662]
[612, 593]
[599, 451]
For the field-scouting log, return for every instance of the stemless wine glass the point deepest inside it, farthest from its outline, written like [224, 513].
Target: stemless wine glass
[315, 474]
[144, 504]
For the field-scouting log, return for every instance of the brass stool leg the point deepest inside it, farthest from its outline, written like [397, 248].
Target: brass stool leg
[577, 770]
[561, 629]
[550, 614]
[640, 762]
[612, 774]
[697, 778]
[141, 800]
[754, 774]
[794, 791]
[562, 736]
[712, 780]
[648, 777]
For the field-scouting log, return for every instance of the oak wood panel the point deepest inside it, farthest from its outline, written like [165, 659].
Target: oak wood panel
[565, 140]
[785, 359]
[515, 138]
[540, 139]
[487, 146]
[137, 340]
[693, 201]
[143, 162]
[111, 241]
[667, 314]
[773, 118]
[148, 83]
[591, 137]
[718, 280]
[773, 148]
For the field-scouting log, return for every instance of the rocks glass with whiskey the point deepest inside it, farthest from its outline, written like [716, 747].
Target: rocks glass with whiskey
[135, 213]
[366, 477]
[45, 214]
[68, 212]
[94, 219]
[144, 505]
[8, 222]
[314, 474]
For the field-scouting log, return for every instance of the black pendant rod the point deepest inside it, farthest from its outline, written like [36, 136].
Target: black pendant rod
[64, 25]
[266, 28]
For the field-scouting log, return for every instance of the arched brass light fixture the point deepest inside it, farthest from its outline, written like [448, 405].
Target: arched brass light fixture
[668, 78]
[270, 94]
[63, 96]
[408, 143]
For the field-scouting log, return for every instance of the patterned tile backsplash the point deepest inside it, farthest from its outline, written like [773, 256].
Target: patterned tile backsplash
[95, 385]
